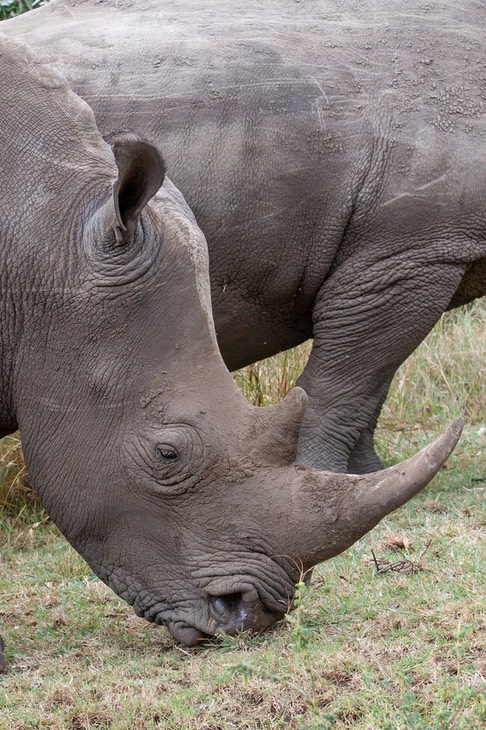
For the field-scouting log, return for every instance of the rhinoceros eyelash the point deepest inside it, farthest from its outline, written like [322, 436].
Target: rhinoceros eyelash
[168, 453]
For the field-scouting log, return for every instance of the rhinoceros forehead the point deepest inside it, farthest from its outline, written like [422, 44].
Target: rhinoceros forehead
[193, 239]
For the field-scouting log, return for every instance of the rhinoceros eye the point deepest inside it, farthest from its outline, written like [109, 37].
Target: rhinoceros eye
[166, 452]
[168, 460]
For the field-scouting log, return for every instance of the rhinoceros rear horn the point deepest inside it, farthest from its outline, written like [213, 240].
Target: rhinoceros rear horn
[277, 429]
[141, 172]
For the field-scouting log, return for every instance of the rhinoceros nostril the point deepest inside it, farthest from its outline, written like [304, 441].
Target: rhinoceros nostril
[230, 606]
[219, 606]
[235, 612]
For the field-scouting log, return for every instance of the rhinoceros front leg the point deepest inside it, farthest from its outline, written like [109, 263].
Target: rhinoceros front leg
[363, 457]
[367, 321]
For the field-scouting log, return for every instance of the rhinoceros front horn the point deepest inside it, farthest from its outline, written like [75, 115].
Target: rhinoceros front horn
[335, 510]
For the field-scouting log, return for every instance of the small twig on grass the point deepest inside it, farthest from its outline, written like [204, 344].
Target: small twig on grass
[425, 548]
[400, 566]
[377, 566]
[35, 525]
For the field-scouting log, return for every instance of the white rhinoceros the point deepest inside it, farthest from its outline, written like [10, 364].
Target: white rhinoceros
[181, 496]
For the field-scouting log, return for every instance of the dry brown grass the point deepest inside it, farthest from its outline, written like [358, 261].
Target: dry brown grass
[15, 487]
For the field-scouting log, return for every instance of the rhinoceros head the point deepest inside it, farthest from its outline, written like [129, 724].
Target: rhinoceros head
[183, 497]
[211, 534]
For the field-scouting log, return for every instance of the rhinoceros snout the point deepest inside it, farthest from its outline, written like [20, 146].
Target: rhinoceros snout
[230, 614]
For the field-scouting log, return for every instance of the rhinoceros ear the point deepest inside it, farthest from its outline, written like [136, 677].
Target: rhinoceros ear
[141, 172]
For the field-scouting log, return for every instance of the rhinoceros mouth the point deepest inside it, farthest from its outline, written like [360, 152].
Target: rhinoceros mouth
[187, 635]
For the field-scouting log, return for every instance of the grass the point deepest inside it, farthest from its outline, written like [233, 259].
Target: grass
[399, 649]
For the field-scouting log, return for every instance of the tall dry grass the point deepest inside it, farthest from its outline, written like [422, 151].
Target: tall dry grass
[15, 487]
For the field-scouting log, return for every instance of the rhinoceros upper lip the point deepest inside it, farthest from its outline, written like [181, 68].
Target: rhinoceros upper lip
[182, 632]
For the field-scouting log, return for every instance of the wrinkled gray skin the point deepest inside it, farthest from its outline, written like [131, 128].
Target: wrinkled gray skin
[333, 154]
[181, 496]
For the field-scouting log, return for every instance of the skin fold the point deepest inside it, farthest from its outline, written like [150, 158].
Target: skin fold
[333, 154]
